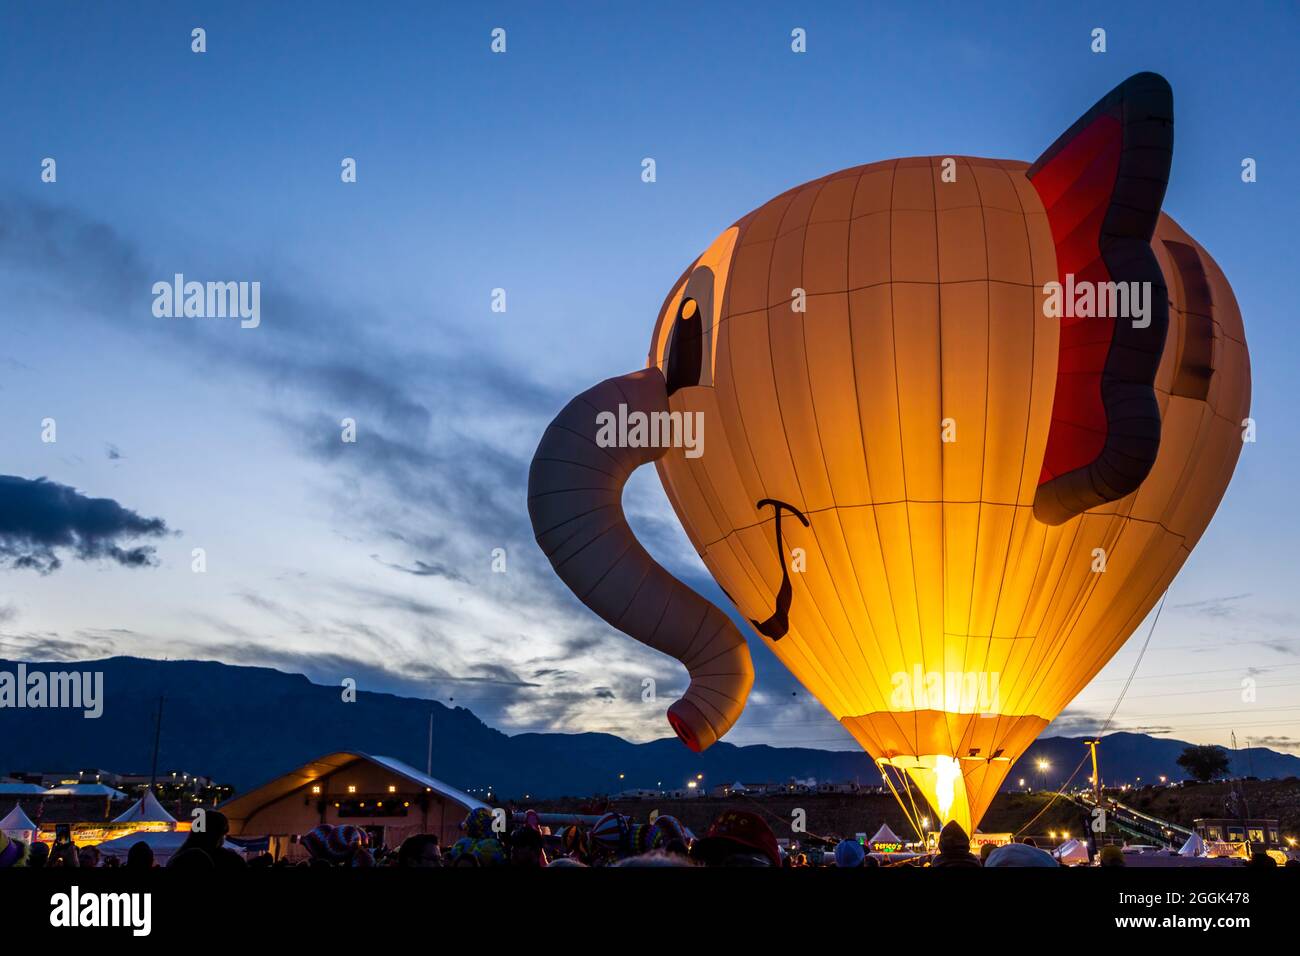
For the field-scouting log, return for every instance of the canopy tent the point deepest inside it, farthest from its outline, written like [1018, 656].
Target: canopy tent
[1071, 853]
[8, 789]
[86, 790]
[146, 810]
[164, 844]
[1194, 846]
[18, 825]
[885, 837]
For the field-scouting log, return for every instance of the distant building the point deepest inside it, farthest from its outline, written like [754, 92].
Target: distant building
[1260, 833]
[638, 793]
[10, 787]
[86, 790]
[390, 799]
[110, 778]
[66, 778]
[171, 778]
[846, 786]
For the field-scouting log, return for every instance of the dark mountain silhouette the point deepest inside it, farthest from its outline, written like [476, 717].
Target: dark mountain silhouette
[244, 725]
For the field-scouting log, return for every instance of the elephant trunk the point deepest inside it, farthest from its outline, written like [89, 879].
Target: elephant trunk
[575, 489]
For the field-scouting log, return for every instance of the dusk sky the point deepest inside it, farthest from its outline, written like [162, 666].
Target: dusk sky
[522, 172]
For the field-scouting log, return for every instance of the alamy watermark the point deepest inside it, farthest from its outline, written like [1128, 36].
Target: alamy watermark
[76, 908]
[209, 300]
[956, 692]
[1098, 300]
[75, 690]
[638, 429]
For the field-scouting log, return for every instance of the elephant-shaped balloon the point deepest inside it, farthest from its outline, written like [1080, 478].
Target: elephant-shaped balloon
[943, 429]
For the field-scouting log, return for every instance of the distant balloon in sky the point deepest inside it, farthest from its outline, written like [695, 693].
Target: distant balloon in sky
[943, 429]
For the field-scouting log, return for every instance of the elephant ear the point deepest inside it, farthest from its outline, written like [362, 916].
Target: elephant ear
[1102, 183]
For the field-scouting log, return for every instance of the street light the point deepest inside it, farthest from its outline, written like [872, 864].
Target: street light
[1043, 767]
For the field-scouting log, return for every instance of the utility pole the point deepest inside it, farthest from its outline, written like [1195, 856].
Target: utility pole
[157, 738]
[1096, 774]
[1239, 785]
[428, 765]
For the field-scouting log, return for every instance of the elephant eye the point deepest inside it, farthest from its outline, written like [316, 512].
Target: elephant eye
[686, 348]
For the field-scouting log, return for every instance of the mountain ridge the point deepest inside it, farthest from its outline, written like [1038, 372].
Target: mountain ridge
[244, 725]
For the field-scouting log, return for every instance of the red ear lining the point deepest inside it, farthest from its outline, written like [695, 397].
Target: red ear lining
[1076, 189]
[1102, 184]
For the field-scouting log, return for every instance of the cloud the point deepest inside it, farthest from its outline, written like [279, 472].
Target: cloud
[1155, 730]
[434, 483]
[424, 569]
[34, 646]
[40, 519]
[300, 622]
[1219, 607]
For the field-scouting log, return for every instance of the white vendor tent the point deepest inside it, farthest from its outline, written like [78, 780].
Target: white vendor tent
[1071, 853]
[164, 844]
[885, 835]
[146, 810]
[1194, 846]
[18, 825]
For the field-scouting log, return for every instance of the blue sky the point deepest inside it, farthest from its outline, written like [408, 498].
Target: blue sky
[522, 171]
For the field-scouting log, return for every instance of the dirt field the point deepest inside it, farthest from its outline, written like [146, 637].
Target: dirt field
[840, 815]
[846, 814]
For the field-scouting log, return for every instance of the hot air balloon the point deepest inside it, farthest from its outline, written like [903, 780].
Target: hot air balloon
[943, 429]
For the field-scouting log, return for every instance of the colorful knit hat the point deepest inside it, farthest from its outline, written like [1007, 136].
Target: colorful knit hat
[12, 852]
[668, 829]
[335, 844]
[478, 825]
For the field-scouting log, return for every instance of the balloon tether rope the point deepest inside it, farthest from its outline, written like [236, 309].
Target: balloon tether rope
[1106, 726]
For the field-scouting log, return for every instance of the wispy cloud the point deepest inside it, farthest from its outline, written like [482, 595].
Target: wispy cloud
[433, 487]
[1219, 607]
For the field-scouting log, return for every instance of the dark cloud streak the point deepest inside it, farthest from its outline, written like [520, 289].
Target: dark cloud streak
[40, 519]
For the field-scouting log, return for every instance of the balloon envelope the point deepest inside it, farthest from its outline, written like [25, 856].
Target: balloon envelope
[942, 428]
[879, 359]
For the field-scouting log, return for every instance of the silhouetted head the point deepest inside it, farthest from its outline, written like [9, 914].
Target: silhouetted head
[421, 850]
[953, 839]
[140, 856]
